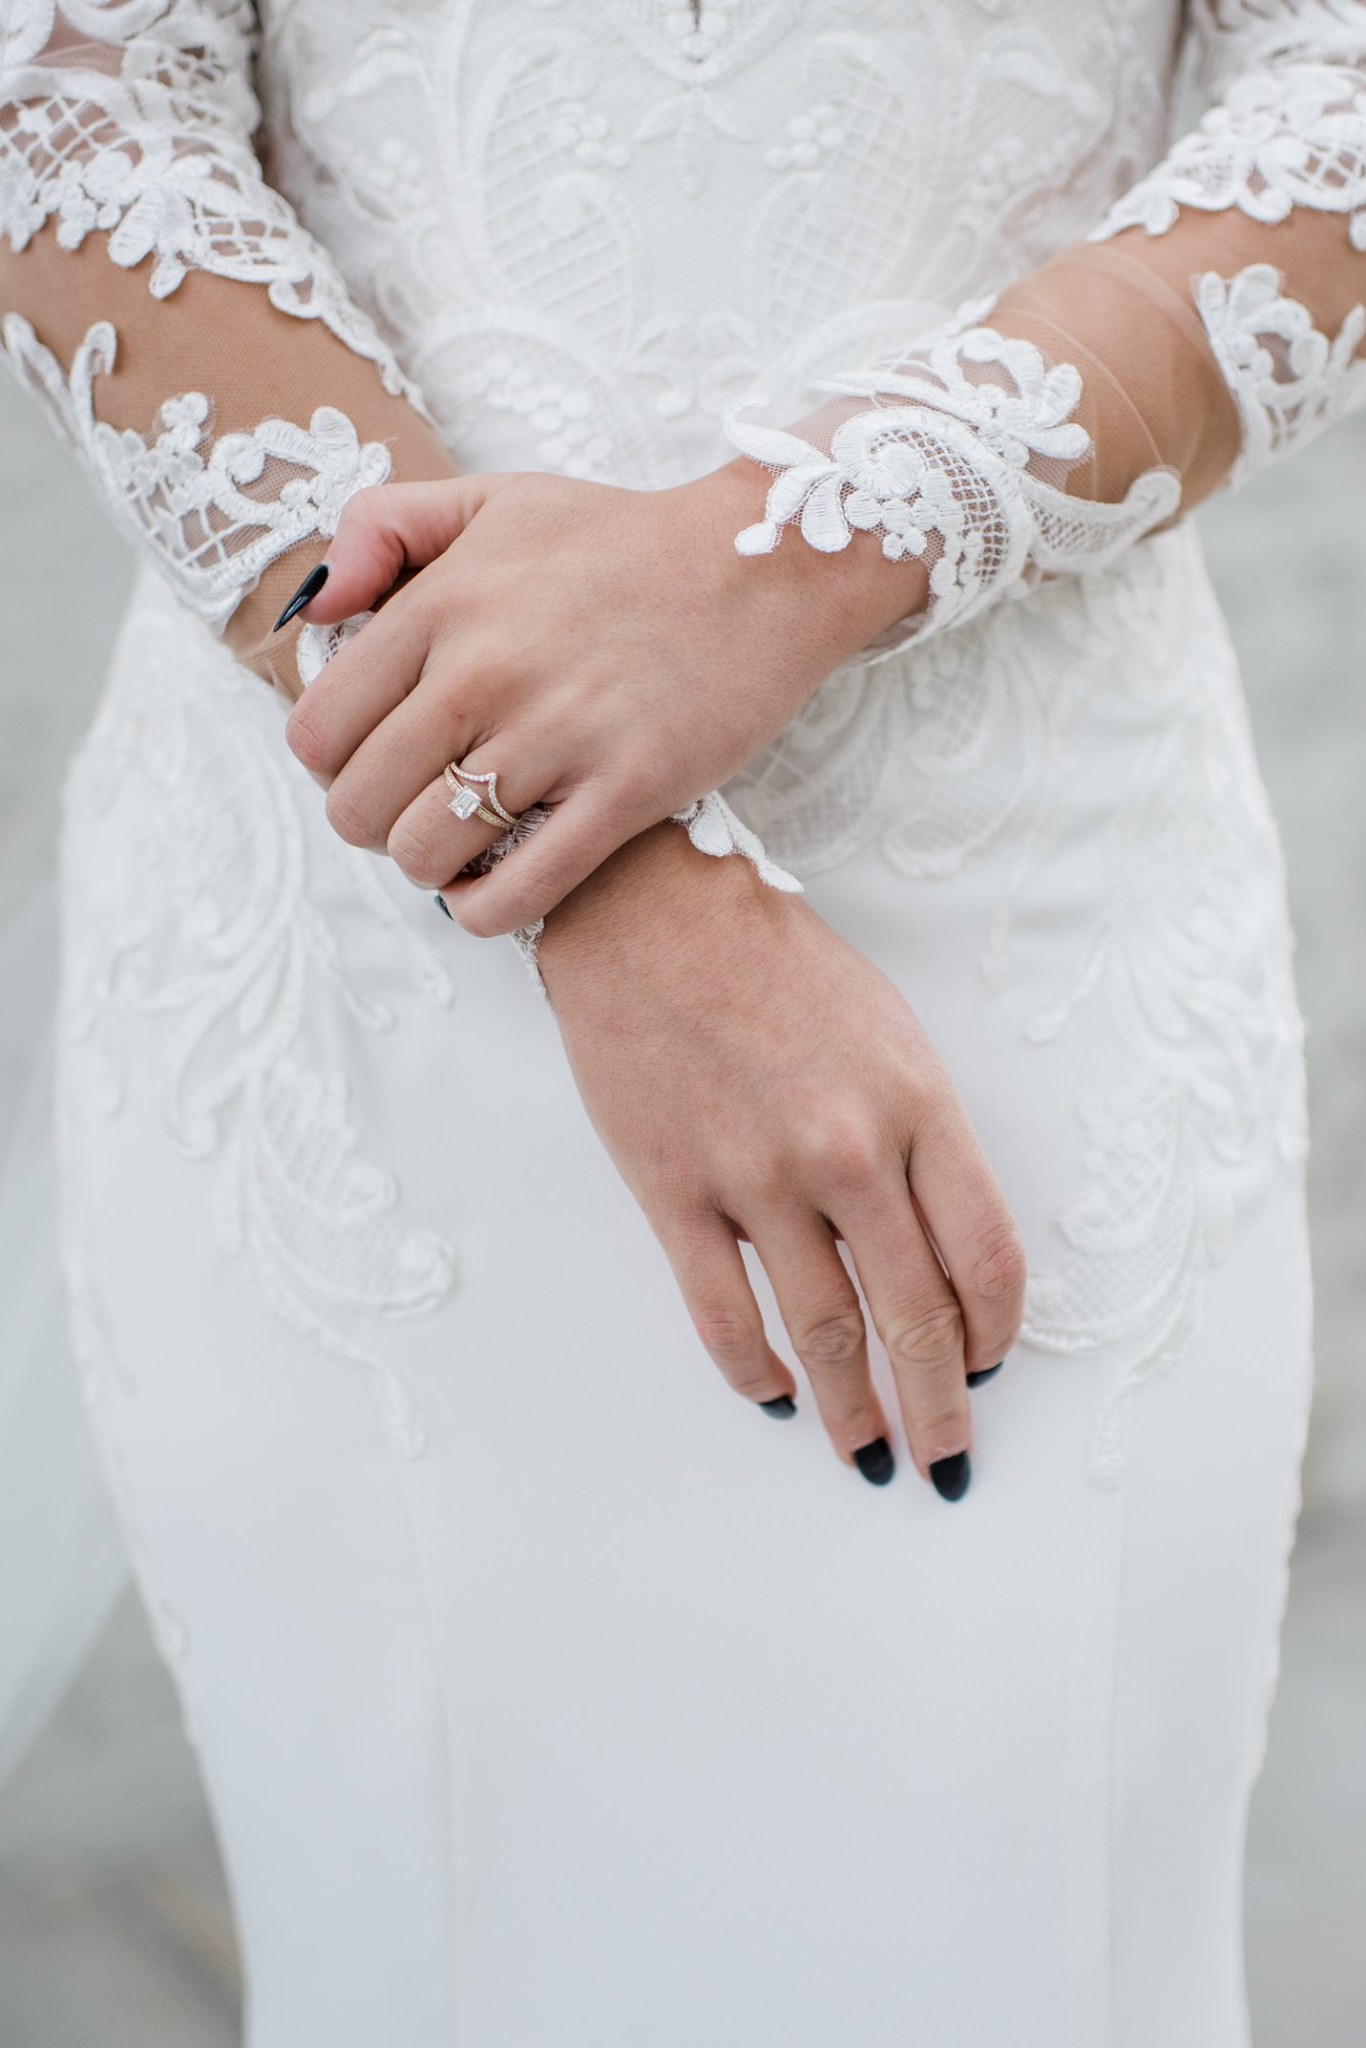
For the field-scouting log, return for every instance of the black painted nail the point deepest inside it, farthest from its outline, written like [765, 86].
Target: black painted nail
[875, 1461]
[976, 1379]
[782, 1405]
[305, 594]
[440, 903]
[952, 1476]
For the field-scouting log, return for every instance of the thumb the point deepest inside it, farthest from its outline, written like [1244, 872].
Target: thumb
[386, 530]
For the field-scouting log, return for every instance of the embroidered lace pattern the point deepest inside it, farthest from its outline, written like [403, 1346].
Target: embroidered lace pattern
[223, 951]
[956, 464]
[1286, 136]
[134, 118]
[1289, 381]
[215, 511]
[495, 179]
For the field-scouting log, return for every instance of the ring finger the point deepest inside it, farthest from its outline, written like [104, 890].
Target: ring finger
[441, 830]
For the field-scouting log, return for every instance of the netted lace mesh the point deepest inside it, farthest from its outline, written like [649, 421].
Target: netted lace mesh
[190, 340]
[1215, 321]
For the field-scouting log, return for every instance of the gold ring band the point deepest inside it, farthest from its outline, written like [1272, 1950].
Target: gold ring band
[466, 802]
[465, 779]
[467, 785]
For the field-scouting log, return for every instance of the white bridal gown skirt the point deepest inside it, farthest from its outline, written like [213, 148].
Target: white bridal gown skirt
[546, 1695]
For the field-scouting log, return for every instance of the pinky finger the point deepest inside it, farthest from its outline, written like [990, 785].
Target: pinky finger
[705, 1256]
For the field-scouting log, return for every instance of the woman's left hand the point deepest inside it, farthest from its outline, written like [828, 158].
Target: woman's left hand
[606, 651]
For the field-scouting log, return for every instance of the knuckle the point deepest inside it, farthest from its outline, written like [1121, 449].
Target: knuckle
[415, 848]
[308, 740]
[999, 1270]
[480, 919]
[349, 817]
[941, 1427]
[726, 1334]
[927, 1338]
[753, 1381]
[841, 1152]
[832, 1339]
[364, 509]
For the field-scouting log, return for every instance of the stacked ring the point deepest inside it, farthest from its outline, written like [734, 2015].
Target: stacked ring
[466, 802]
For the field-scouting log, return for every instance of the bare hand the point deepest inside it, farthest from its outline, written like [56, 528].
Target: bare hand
[606, 651]
[753, 1076]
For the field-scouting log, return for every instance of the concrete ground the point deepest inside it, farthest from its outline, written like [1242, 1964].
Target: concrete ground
[114, 1924]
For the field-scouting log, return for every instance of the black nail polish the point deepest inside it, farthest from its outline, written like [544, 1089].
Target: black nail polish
[875, 1461]
[952, 1476]
[782, 1405]
[977, 1379]
[440, 903]
[305, 594]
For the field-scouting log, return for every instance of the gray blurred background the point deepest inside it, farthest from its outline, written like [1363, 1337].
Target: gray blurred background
[114, 1926]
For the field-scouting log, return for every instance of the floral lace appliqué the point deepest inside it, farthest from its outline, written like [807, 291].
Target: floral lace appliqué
[1288, 136]
[958, 464]
[136, 121]
[217, 511]
[227, 955]
[1289, 381]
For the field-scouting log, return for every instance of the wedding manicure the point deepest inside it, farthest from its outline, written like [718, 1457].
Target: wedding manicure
[305, 594]
[952, 1476]
[875, 1461]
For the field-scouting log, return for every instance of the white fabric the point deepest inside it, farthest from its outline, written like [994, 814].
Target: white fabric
[61, 1562]
[958, 464]
[544, 1693]
[216, 508]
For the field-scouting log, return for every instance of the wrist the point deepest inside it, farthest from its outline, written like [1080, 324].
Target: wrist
[838, 603]
[655, 900]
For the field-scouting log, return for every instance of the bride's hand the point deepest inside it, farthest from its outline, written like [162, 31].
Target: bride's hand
[751, 1074]
[605, 651]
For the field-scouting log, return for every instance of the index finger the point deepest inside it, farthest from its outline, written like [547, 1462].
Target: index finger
[362, 683]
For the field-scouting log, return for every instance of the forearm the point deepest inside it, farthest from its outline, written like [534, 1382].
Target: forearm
[1213, 321]
[254, 363]
[185, 333]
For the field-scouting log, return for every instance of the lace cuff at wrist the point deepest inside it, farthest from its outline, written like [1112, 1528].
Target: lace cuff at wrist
[959, 462]
[215, 512]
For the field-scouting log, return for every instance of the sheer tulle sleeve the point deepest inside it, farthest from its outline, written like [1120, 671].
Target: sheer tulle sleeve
[1213, 322]
[166, 307]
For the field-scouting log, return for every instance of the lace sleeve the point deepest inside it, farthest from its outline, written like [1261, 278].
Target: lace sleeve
[166, 307]
[1213, 322]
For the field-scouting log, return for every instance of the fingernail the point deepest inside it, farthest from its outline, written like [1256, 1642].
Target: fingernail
[977, 1379]
[952, 1476]
[782, 1405]
[440, 903]
[305, 594]
[875, 1461]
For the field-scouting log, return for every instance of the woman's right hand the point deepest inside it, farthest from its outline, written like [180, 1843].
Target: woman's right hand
[753, 1076]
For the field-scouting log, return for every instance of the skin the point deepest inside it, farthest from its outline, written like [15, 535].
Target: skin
[764, 1080]
[732, 979]
[616, 695]
[828, 1115]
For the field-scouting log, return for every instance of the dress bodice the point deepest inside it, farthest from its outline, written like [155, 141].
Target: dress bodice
[591, 226]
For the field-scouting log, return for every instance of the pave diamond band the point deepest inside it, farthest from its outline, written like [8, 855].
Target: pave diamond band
[467, 802]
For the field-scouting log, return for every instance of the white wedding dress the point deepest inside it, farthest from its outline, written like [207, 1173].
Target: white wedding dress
[545, 1696]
